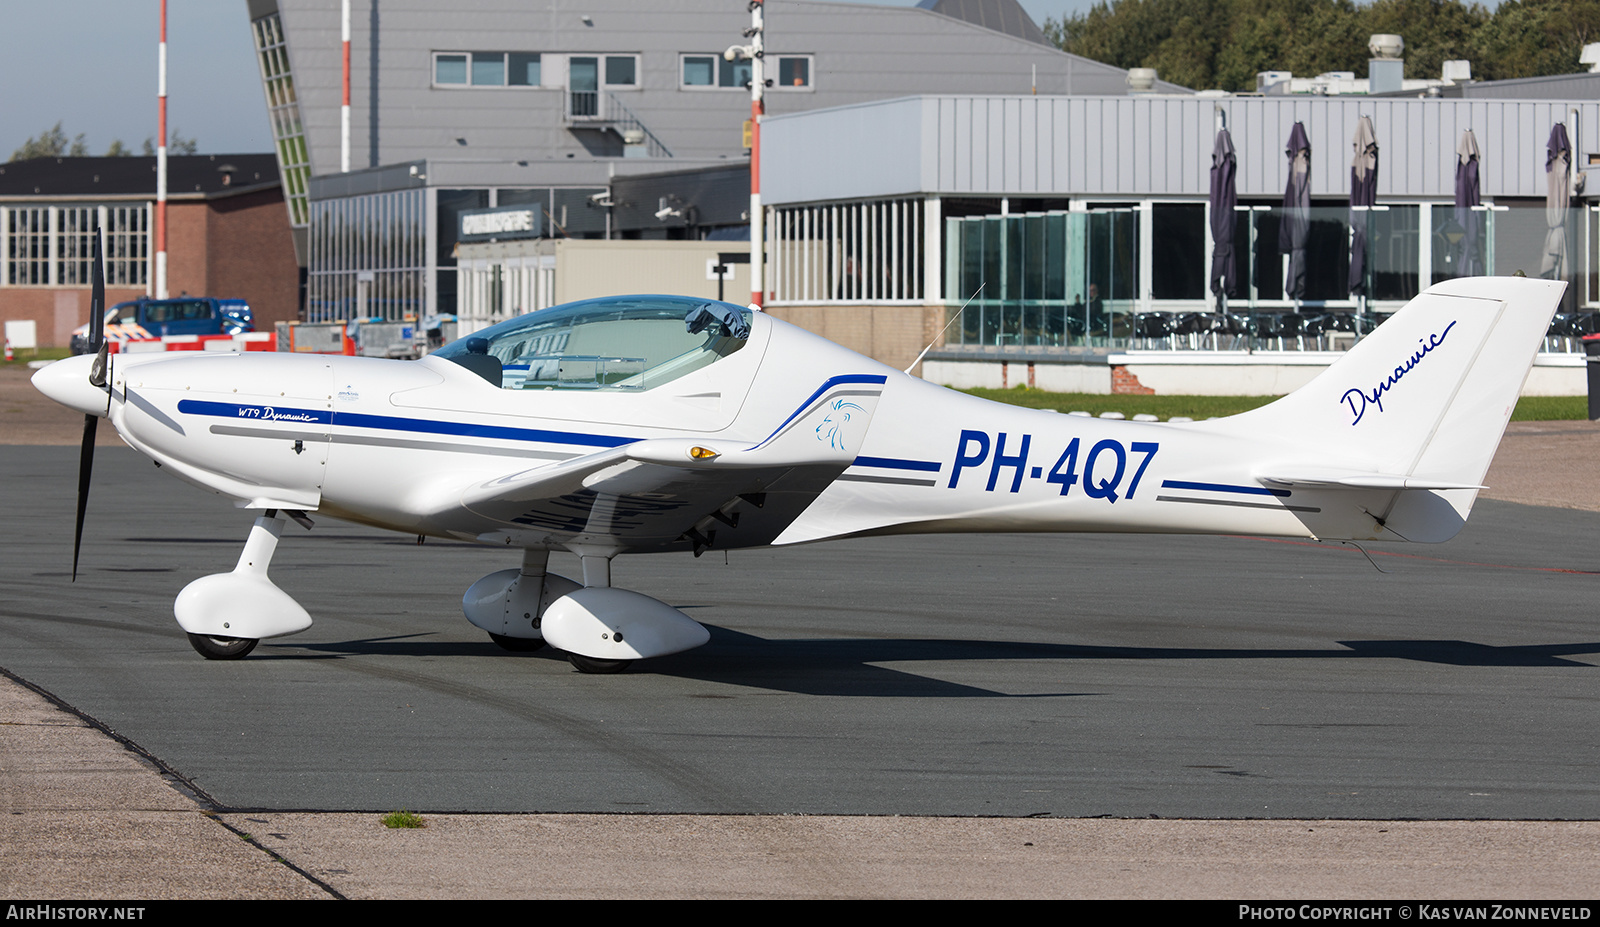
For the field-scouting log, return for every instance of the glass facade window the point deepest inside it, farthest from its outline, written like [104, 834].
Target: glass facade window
[1052, 279]
[1178, 268]
[1458, 243]
[1260, 263]
[1518, 238]
[368, 257]
[283, 111]
[1394, 241]
[1042, 280]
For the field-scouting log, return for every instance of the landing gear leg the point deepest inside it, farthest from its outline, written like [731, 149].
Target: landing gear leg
[596, 575]
[529, 579]
[226, 614]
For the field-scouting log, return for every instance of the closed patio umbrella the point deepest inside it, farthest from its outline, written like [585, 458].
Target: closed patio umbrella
[1295, 225]
[1558, 181]
[1363, 192]
[1224, 197]
[1467, 196]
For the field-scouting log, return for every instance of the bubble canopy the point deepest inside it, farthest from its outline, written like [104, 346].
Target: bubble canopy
[615, 343]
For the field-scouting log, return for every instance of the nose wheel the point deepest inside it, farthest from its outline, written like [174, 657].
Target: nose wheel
[592, 665]
[222, 648]
[517, 644]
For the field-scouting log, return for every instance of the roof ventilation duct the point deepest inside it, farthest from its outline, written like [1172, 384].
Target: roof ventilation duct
[1386, 70]
[1141, 80]
[1591, 57]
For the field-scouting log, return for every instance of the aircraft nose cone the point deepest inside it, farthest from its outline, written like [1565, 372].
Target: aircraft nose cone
[67, 382]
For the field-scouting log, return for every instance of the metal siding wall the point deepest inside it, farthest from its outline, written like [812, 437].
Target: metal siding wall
[1139, 147]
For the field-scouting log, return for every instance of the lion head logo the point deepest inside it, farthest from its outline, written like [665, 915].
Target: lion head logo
[832, 428]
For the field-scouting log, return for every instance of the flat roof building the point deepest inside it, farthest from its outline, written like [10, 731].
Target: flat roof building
[228, 235]
[472, 105]
[1081, 227]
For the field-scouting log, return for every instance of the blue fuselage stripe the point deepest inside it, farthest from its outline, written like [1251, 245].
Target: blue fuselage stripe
[1224, 487]
[895, 463]
[466, 430]
[264, 413]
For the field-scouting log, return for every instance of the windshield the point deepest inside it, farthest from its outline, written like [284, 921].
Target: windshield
[613, 343]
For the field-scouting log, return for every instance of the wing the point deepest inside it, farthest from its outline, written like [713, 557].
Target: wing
[677, 493]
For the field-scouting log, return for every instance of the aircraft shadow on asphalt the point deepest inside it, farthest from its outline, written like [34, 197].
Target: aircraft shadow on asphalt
[850, 667]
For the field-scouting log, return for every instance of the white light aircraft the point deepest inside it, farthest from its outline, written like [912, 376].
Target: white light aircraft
[639, 424]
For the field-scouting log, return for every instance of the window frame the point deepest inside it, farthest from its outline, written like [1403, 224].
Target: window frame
[469, 60]
[718, 63]
[605, 71]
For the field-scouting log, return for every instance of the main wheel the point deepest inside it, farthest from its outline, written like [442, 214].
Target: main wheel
[222, 648]
[517, 644]
[591, 665]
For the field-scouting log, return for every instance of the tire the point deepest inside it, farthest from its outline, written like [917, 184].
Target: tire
[517, 644]
[222, 648]
[591, 665]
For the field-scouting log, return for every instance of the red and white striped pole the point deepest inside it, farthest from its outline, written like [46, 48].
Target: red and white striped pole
[344, 111]
[757, 108]
[161, 161]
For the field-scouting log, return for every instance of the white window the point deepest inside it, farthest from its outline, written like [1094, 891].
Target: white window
[486, 69]
[622, 71]
[53, 245]
[713, 72]
[794, 72]
[868, 251]
[591, 77]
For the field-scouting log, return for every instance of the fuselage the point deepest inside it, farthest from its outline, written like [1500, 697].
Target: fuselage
[395, 443]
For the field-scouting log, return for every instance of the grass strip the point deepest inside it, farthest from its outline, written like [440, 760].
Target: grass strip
[1529, 408]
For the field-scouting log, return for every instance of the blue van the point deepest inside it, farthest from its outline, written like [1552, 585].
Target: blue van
[145, 318]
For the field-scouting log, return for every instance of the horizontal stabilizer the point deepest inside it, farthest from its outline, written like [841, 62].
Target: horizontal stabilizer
[1333, 480]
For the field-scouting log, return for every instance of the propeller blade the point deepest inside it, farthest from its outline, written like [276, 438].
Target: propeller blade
[85, 468]
[97, 316]
[97, 376]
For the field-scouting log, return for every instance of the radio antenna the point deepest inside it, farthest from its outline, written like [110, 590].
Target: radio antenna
[947, 326]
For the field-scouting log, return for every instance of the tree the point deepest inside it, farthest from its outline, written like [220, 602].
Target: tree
[176, 144]
[51, 143]
[1225, 43]
[118, 150]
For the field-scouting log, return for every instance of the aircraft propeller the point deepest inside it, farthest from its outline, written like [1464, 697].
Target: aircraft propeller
[98, 376]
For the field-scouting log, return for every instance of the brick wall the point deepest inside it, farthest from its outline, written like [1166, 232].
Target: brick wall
[893, 335]
[232, 248]
[55, 311]
[250, 255]
[1124, 382]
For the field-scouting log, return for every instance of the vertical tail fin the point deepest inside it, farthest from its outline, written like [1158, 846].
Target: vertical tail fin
[1419, 405]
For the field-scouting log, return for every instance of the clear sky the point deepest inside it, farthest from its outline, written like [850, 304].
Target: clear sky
[91, 65]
